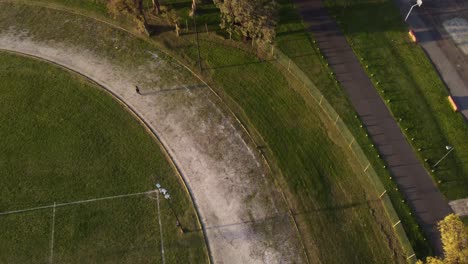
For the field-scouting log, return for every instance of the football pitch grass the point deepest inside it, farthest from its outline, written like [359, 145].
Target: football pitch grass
[67, 142]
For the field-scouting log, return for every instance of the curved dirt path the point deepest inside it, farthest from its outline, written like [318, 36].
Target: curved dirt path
[244, 217]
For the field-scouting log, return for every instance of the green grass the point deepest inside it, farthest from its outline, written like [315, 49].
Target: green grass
[298, 44]
[326, 193]
[25, 237]
[300, 145]
[336, 209]
[65, 140]
[410, 85]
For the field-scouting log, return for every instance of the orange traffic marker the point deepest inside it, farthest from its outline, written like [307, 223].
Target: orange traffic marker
[412, 36]
[453, 104]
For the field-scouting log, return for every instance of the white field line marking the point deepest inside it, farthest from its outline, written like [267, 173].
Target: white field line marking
[75, 202]
[160, 228]
[51, 257]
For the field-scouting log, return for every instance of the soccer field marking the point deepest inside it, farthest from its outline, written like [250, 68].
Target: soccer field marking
[51, 257]
[160, 228]
[75, 202]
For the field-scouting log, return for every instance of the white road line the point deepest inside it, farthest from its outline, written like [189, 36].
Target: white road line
[75, 202]
[51, 257]
[160, 228]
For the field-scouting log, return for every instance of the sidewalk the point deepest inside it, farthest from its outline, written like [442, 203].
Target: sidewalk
[428, 204]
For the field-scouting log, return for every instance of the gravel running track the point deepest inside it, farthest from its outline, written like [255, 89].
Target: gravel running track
[243, 215]
[417, 186]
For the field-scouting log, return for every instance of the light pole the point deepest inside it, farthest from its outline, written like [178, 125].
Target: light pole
[418, 3]
[167, 196]
[449, 148]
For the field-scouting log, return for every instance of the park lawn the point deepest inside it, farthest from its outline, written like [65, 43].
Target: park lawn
[65, 140]
[410, 86]
[25, 237]
[299, 45]
[336, 209]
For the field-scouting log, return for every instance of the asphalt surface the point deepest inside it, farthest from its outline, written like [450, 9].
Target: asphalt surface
[450, 60]
[417, 186]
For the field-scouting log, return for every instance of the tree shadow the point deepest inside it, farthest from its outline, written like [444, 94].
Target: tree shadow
[179, 5]
[386, 14]
[333, 208]
[157, 29]
[180, 88]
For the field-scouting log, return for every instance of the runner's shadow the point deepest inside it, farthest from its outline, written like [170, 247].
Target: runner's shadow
[181, 88]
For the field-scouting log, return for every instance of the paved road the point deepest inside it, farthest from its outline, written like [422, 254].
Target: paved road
[417, 186]
[450, 58]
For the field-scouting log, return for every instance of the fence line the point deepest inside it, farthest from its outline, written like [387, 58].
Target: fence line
[291, 67]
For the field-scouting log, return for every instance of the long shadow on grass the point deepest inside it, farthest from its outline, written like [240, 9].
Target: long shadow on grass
[181, 88]
[387, 12]
[285, 215]
[235, 65]
[155, 30]
[257, 221]
[335, 208]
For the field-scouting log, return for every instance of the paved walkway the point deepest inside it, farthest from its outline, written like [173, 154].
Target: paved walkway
[450, 61]
[460, 207]
[416, 184]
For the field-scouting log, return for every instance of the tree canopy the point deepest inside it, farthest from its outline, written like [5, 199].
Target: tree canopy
[454, 236]
[254, 20]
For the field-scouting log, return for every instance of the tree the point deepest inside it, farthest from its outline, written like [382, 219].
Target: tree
[194, 8]
[255, 20]
[454, 236]
[156, 7]
[174, 20]
[130, 8]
